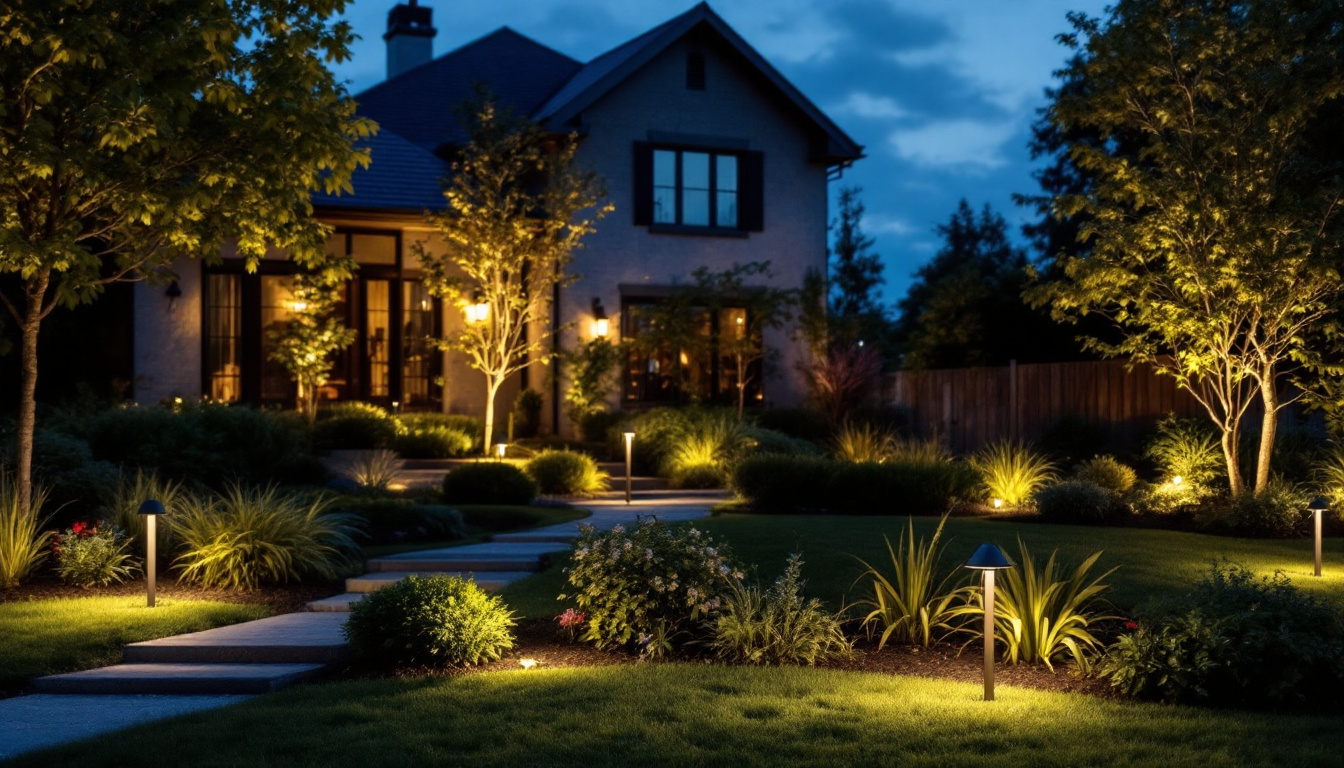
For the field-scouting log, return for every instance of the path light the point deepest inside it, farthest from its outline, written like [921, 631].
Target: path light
[500, 448]
[1318, 505]
[601, 325]
[989, 558]
[629, 452]
[151, 509]
[998, 503]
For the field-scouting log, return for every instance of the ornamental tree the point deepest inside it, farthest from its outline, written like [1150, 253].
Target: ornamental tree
[314, 332]
[132, 134]
[517, 207]
[1211, 217]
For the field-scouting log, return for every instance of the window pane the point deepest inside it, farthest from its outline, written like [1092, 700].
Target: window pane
[418, 354]
[664, 168]
[374, 249]
[277, 304]
[727, 210]
[665, 205]
[695, 207]
[694, 170]
[378, 335]
[226, 314]
[726, 166]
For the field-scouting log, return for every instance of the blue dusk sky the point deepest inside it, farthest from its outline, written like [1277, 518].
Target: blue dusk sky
[942, 93]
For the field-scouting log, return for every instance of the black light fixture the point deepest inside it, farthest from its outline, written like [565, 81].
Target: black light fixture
[601, 325]
[173, 292]
[989, 558]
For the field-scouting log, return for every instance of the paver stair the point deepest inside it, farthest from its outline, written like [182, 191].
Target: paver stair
[290, 638]
[474, 558]
[196, 679]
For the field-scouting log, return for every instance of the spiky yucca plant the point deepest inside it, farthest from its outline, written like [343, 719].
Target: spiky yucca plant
[23, 543]
[373, 470]
[863, 443]
[912, 605]
[1012, 471]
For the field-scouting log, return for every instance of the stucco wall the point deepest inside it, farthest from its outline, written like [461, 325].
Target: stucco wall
[167, 350]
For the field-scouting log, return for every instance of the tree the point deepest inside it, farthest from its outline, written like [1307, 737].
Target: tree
[591, 366]
[1212, 217]
[855, 313]
[516, 206]
[313, 333]
[133, 134]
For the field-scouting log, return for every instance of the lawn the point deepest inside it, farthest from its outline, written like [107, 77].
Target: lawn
[45, 637]
[674, 714]
[1150, 562]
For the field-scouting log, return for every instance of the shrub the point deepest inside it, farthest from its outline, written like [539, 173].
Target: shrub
[862, 443]
[776, 626]
[649, 587]
[1186, 448]
[698, 476]
[354, 427]
[1108, 473]
[527, 414]
[595, 427]
[1040, 618]
[434, 442]
[1277, 511]
[399, 520]
[770, 441]
[798, 423]
[899, 488]
[913, 606]
[90, 554]
[1170, 498]
[77, 484]
[371, 470]
[655, 431]
[458, 422]
[129, 493]
[912, 451]
[23, 543]
[1235, 640]
[1071, 437]
[566, 473]
[436, 620]
[783, 483]
[714, 439]
[1329, 478]
[488, 483]
[1012, 471]
[252, 536]
[1077, 501]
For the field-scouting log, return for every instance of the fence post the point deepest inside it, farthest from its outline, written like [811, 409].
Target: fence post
[1013, 426]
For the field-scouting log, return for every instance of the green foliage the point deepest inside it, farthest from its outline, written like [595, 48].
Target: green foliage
[912, 605]
[712, 442]
[1012, 471]
[527, 414]
[770, 441]
[862, 442]
[591, 366]
[777, 625]
[430, 620]
[314, 333]
[490, 482]
[794, 484]
[1186, 448]
[76, 483]
[1071, 438]
[354, 426]
[597, 427]
[1277, 511]
[781, 484]
[89, 555]
[648, 587]
[566, 473]
[123, 511]
[434, 442]
[698, 476]
[1041, 616]
[1078, 501]
[23, 543]
[252, 536]
[1107, 472]
[1329, 478]
[799, 423]
[371, 470]
[918, 452]
[1235, 640]
[392, 521]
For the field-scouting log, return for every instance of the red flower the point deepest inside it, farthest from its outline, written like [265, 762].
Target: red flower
[1131, 624]
[78, 528]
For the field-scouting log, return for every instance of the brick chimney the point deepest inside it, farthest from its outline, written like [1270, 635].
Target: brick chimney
[410, 37]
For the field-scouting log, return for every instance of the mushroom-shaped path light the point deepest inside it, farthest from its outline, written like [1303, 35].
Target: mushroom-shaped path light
[989, 558]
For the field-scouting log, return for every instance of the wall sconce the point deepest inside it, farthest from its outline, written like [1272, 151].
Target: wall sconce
[601, 325]
[173, 292]
[989, 558]
[478, 311]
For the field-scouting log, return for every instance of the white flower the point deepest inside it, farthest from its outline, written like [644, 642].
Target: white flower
[648, 553]
[618, 529]
[628, 544]
[692, 593]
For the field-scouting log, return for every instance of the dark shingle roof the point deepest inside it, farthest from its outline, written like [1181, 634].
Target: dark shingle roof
[421, 104]
[401, 177]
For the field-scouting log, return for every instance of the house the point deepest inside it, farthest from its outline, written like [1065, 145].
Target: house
[710, 156]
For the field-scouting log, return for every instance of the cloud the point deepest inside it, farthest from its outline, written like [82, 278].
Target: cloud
[861, 104]
[963, 144]
[885, 224]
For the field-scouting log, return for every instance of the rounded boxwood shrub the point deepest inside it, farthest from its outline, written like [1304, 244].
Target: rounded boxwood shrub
[566, 473]
[488, 482]
[698, 477]
[433, 442]
[1078, 501]
[434, 620]
[1278, 511]
[354, 427]
[1107, 472]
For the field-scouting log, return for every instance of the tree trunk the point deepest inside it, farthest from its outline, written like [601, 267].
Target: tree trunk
[1269, 425]
[491, 389]
[1231, 454]
[35, 291]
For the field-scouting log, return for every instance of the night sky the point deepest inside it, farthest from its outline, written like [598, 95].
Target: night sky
[942, 94]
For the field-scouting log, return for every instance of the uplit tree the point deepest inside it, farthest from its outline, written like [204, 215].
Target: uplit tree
[314, 332]
[1211, 219]
[517, 207]
[132, 134]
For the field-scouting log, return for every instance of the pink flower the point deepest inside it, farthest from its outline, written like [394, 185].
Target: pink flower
[1131, 624]
[571, 618]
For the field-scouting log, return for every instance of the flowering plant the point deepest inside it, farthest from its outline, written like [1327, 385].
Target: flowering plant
[646, 587]
[88, 554]
[571, 620]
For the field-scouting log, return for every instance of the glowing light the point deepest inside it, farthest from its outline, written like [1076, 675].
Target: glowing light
[299, 306]
[998, 503]
[601, 326]
[527, 663]
[478, 312]
[500, 448]
[1177, 480]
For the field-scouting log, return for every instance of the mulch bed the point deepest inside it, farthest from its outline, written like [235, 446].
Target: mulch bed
[281, 599]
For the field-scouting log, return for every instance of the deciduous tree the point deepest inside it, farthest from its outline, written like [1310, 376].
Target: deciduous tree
[314, 332]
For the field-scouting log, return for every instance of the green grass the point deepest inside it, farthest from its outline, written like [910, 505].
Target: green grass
[45, 637]
[1150, 562]
[485, 520]
[684, 715]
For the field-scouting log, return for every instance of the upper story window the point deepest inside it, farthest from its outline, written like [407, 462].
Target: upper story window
[698, 191]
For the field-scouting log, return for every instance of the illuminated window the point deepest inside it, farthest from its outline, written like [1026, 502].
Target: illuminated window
[704, 373]
[225, 337]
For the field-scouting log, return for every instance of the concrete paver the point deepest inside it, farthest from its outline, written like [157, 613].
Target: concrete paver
[40, 721]
[178, 678]
[290, 638]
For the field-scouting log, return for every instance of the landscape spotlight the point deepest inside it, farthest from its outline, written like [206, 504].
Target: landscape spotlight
[151, 509]
[989, 558]
[1318, 505]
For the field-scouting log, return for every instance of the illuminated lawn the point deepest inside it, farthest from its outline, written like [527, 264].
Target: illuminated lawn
[1152, 562]
[43, 637]
[683, 715]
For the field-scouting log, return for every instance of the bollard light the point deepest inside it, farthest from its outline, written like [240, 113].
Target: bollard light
[629, 455]
[989, 558]
[151, 509]
[1318, 506]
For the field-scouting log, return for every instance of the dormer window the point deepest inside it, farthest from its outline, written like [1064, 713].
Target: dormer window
[695, 71]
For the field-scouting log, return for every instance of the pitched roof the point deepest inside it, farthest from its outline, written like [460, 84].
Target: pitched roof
[402, 177]
[420, 104]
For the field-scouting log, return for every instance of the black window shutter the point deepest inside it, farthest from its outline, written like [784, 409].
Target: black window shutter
[752, 194]
[643, 186]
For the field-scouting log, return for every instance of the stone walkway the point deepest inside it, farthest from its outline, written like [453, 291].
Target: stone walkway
[218, 667]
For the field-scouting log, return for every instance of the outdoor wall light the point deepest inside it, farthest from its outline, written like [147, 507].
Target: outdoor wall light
[173, 292]
[151, 509]
[478, 311]
[601, 325]
[1318, 506]
[989, 558]
[629, 454]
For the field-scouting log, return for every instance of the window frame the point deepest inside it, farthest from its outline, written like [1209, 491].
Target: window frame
[718, 366]
[748, 191]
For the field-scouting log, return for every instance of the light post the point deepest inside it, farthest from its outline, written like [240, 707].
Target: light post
[151, 509]
[1318, 505]
[989, 558]
[629, 453]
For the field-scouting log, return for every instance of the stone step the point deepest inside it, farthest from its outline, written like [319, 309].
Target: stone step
[490, 582]
[539, 536]
[336, 603]
[196, 679]
[290, 638]
[487, 557]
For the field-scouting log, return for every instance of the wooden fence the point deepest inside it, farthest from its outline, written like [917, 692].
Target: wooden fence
[969, 407]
